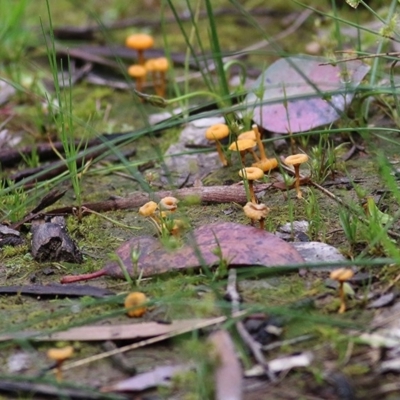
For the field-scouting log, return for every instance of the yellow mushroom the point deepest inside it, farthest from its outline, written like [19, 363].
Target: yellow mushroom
[217, 132]
[168, 203]
[139, 42]
[138, 72]
[242, 146]
[251, 174]
[59, 356]
[342, 275]
[296, 160]
[256, 212]
[148, 210]
[267, 164]
[132, 303]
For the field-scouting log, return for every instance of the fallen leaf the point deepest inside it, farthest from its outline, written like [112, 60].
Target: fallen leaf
[301, 94]
[112, 332]
[159, 376]
[54, 289]
[240, 245]
[228, 373]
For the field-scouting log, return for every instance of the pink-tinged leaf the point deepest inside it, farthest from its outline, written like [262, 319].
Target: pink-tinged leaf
[239, 245]
[228, 371]
[300, 94]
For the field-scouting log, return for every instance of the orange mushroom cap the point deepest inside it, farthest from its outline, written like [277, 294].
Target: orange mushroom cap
[247, 135]
[139, 41]
[242, 145]
[217, 132]
[266, 165]
[60, 354]
[148, 209]
[137, 71]
[296, 159]
[160, 64]
[251, 173]
[342, 274]
[135, 299]
[255, 211]
[168, 203]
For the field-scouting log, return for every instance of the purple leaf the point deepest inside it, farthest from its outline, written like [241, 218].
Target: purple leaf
[299, 94]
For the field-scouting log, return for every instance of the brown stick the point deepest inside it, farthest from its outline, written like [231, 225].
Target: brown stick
[205, 194]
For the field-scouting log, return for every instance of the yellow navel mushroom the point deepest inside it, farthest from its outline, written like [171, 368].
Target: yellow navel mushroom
[256, 212]
[264, 163]
[242, 146]
[342, 275]
[148, 210]
[296, 160]
[217, 132]
[138, 72]
[132, 303]
[267, 164]
[59, 356]
[139, 42]
[251, 174]
[168, 203]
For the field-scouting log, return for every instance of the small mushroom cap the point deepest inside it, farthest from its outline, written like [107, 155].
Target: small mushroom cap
[242, 145]
[251, 173]
[137, 71]
[168, 203]
[342, 274]
[135, 299]
[160, 64]
[149, 64]
[296, 159]
[148, 209]
[247, 135]
[60, 354]
[217, 132]
[266, 165]
[256, 211]
[139, 41]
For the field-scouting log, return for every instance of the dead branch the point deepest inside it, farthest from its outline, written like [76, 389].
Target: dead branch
[204, 194]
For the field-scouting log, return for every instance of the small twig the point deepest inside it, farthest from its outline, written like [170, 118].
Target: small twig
[287, 342]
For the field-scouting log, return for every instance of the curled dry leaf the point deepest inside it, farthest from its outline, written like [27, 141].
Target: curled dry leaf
[240, 245]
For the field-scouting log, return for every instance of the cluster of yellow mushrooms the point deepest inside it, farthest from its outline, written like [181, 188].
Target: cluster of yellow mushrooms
[246, 142]
[156, 67]
[161, 215]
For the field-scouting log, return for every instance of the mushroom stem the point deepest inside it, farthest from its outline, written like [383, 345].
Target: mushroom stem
[253, 198]
[58, 371]
[297, 183]
[260, 145]
[160, 87]
[140, 57]
[262, 223]
[342, 296]
[253, 153]
[221, 155]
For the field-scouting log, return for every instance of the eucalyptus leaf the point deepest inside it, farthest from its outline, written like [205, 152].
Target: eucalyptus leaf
[299, 93]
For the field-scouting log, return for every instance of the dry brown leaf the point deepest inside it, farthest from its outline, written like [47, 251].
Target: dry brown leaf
[240, 245]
